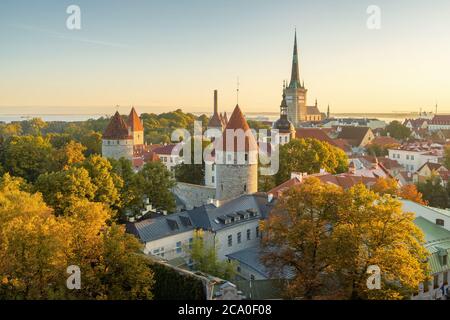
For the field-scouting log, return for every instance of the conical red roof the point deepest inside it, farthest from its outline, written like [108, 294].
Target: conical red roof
[237, 121]
[117, 129]
[134, 122]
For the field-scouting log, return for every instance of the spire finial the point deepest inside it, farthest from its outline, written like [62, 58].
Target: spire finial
[237, 91]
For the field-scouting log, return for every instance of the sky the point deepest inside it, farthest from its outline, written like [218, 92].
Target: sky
[161, 55]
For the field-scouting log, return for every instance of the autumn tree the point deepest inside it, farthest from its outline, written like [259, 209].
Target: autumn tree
[110, 260]
[374, 230]
[297, 237]
[205, 259]
[36, 247]
[191, 172]
[309, 155]
[329, 237]
[33, 245]
[386, 186]
[70, 153]
[106, 181]
[410, 192]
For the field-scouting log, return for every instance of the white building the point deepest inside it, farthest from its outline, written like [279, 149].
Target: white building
[413, 158]
[168, 155]
[233, 227]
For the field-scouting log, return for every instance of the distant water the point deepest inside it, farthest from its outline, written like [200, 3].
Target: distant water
[84, 113]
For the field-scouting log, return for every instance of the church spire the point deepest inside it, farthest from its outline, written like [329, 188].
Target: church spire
[295, 74]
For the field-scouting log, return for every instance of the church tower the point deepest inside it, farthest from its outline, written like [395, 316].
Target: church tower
[296, 92]
[236, 159]
[286, 130]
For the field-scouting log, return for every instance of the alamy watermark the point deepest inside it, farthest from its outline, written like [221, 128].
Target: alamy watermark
[73, 22]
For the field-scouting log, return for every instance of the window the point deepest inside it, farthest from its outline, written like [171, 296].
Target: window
[246, 157]
[245, 187]
[238, 269]
[230, 240]
[412, 157]
[407, 157]
[212, 179]
[440, 222]
[436, 281]
[426, 286]
[252, 277]
[239, 237]
[179, 247]
[249, 234]
[229, 158]
[257, 231]
[445, 260]
[118, 142]
[191, 241]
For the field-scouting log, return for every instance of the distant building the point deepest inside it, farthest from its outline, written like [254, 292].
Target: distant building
[354, 122]
[439, 122]
[296, 96]
[357, 137]
[429, 170]
[167, 155]
[126, 140]
[414, 156]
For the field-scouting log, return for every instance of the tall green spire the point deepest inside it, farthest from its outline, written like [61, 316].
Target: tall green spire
[295, 74]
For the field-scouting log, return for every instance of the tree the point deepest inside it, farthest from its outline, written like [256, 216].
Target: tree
[309, 155]
[132, 193]
[34, 126]
[329, 237]
[33, 245]
[386, 186]
[374, 230]
[397, 130]
[70, 153]
[28, 156]
[299, 226]
[434, 193]
[10, 129]
[110, 260]
[63, 188]
[106, 181]
[36, 247]
[410, 192]
[376, 150]
[205, 259]
[447, 156]
[157, 183]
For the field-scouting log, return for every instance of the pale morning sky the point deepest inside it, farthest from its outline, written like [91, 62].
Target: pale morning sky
[168, 54]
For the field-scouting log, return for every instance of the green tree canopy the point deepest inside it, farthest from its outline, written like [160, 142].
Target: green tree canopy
[309, 155]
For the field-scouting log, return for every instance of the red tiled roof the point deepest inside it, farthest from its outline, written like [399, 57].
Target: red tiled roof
[432, 166]
[321, 135]
[354, 135]
[343, 180]
[165, 150]
[134, 122]
[441, 120]
[389, 163]
[385, 141]
[216, 121]
[116, 129]
[237, 121]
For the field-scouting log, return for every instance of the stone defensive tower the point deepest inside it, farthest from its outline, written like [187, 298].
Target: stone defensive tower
[236, 159]
[117, 140]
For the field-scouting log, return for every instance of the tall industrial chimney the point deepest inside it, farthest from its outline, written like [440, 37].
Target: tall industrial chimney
[216, 111]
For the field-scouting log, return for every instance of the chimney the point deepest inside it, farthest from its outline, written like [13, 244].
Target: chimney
[297, 175]
[216, 107]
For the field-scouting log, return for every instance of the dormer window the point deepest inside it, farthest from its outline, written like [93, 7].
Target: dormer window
[440, 222]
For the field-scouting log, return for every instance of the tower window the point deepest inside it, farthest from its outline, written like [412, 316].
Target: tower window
[246, 157]
[245, 187]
